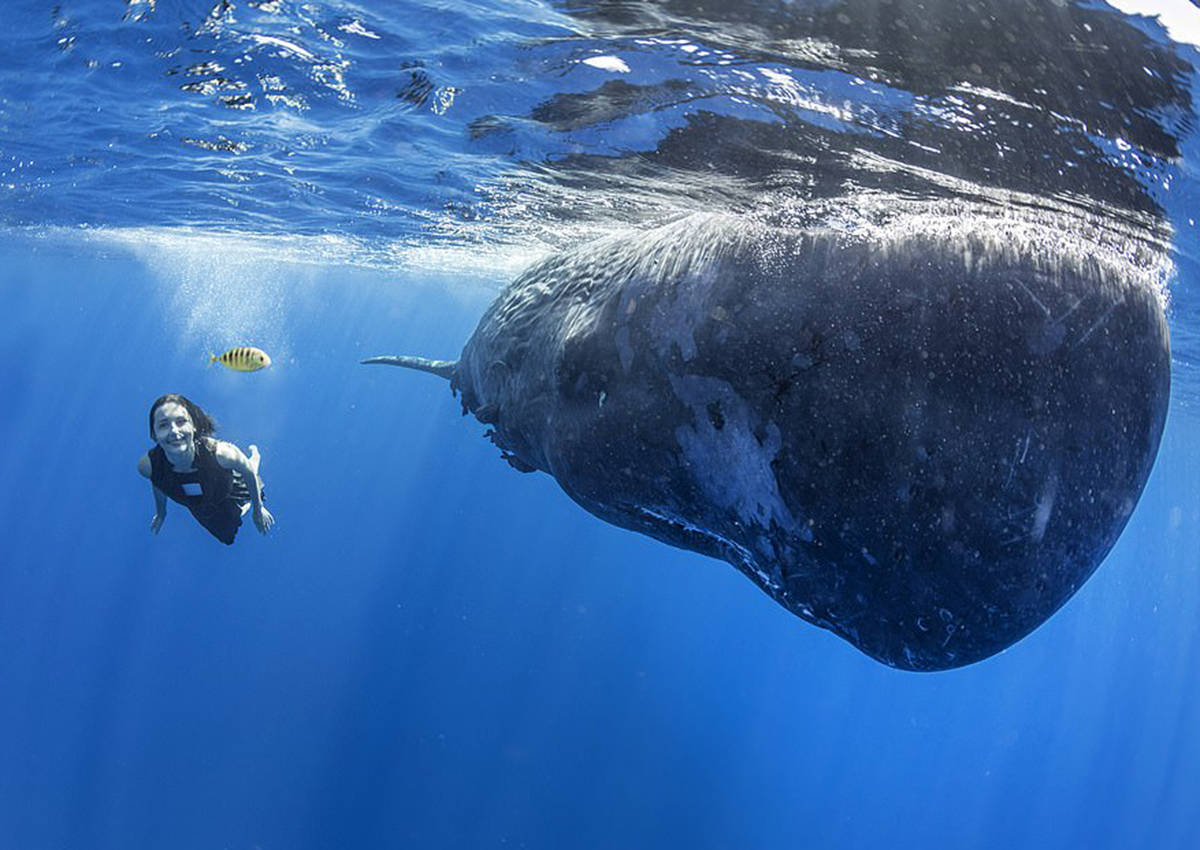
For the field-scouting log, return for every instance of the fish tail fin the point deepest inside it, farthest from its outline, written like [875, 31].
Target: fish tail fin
[212, 358]
[442, 368]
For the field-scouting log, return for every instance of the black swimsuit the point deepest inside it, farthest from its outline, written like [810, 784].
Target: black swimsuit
[216, 495]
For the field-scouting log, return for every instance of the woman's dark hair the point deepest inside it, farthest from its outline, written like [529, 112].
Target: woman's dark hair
[205, 424]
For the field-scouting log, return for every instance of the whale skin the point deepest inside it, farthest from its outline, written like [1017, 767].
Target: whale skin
[923, 438]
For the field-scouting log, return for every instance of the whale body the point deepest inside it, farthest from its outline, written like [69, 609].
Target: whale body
[923, 438]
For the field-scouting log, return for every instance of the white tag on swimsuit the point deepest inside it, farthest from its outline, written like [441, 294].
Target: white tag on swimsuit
[192, 488]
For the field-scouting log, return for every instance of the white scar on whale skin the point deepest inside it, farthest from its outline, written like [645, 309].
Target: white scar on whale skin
[729, 463]
[1045, 506]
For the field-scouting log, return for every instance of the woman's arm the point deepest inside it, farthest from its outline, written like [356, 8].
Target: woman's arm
[160, 498]
[230, 456]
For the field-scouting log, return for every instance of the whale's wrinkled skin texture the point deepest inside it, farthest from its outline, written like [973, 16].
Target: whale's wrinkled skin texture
[924, 442]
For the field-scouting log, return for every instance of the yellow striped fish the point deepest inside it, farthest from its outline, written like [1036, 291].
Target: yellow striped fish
[243, 358]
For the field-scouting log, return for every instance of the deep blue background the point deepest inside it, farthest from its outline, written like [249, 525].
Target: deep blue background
[432, 650]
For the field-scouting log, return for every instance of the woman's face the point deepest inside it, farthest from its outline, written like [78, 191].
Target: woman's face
[173, 428]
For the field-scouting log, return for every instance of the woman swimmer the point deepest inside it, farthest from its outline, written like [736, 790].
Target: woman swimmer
[210, 477]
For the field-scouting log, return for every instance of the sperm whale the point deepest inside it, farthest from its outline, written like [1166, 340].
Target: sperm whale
[922, 438]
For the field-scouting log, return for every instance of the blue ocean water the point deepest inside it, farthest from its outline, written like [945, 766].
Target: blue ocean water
[430, 650]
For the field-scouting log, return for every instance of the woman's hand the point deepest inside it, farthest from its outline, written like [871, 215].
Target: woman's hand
[156, 522]
[263, 519]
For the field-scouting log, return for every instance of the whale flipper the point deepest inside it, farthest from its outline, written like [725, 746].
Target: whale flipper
[442, 368]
